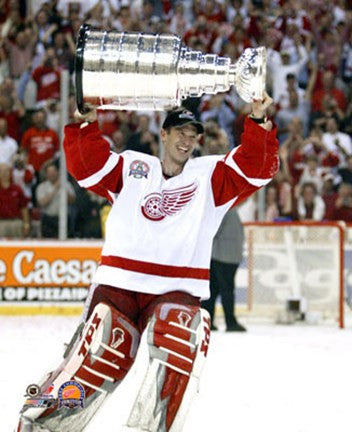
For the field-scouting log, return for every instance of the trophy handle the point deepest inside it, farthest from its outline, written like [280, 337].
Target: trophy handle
[81, 40]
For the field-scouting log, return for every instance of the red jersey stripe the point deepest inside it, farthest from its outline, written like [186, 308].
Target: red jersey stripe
[155, 269]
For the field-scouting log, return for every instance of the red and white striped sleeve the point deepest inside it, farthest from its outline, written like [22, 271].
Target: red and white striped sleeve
[91, 162]
[247, 167]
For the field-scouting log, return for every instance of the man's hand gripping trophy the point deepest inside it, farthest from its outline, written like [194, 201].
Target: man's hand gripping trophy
[259, 108]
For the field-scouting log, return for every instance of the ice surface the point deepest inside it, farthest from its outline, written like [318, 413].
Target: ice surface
[271, 379]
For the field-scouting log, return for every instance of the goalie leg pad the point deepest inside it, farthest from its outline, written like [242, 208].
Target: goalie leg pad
[98, 360]
[178, 340]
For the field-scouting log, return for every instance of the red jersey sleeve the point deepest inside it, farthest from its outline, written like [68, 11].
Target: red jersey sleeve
[56, 141]
[26, 139]
[247, 167]
[22, 200]
[330, 160]
[90, 161]
[37, 73]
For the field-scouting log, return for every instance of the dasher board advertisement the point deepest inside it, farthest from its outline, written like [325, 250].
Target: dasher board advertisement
[46, 273]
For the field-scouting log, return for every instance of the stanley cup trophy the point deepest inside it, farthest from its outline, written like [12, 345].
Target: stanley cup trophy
[140, 71]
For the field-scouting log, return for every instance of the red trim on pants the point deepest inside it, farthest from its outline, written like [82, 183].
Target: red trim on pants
[155, 269]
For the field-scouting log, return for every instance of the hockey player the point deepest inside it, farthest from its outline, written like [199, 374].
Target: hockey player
[154, 267]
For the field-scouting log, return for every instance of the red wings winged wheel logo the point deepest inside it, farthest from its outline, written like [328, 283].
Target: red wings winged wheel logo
[167, 203]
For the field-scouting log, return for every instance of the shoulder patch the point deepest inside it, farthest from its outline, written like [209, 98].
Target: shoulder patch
[139, 169]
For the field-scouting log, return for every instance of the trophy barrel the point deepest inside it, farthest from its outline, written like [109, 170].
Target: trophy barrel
[132, 71]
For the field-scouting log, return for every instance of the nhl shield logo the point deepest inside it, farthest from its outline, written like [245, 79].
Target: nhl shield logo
[139, 169]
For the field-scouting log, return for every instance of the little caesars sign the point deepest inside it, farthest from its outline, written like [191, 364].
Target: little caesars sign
[48, 271]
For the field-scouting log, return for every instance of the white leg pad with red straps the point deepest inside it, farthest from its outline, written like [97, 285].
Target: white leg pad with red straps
[178, 340]
[99, 357]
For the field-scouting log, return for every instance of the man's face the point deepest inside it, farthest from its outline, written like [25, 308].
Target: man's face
[331, 125]
[52, 174]
[5, 172]
[349, 163]
[143, 122]
[308, 195]
[291, 82]
[328, 80]
[179, 143]
[5, 102]
[3, 127]
[42, 18]
[21, 39]
[293, 96]
[285, 58]
[39, 119]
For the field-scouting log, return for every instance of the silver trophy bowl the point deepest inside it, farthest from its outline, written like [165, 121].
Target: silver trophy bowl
[141, 71]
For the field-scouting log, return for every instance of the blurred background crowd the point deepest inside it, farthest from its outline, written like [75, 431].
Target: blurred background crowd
[309, 56]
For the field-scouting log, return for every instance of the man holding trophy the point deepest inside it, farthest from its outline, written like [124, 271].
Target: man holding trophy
[154, 268]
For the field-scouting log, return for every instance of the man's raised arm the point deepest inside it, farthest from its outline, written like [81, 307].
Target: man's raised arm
[89, 159]
[252, 164]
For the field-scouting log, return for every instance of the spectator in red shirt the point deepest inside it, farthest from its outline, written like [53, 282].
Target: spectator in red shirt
[343, 203]
[329, 195]
[108, 121]
[292, 152]
[11, 109]
[23, 176]
[315, 146]
[214, 11]
[47, 77]
[329, 87]
[202, 31]
[40, 142]
[14, 214]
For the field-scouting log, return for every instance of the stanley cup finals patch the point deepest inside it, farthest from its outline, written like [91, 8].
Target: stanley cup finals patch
[139, 169]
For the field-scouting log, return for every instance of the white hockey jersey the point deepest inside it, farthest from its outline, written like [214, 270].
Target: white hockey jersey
[159, 232]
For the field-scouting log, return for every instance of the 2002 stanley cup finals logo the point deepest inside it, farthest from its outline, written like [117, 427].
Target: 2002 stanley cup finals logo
[139, 169]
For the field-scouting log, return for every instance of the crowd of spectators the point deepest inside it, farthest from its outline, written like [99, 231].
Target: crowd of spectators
[309, 58]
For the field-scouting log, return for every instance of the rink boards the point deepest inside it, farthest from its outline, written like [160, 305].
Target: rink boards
[53, 277]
